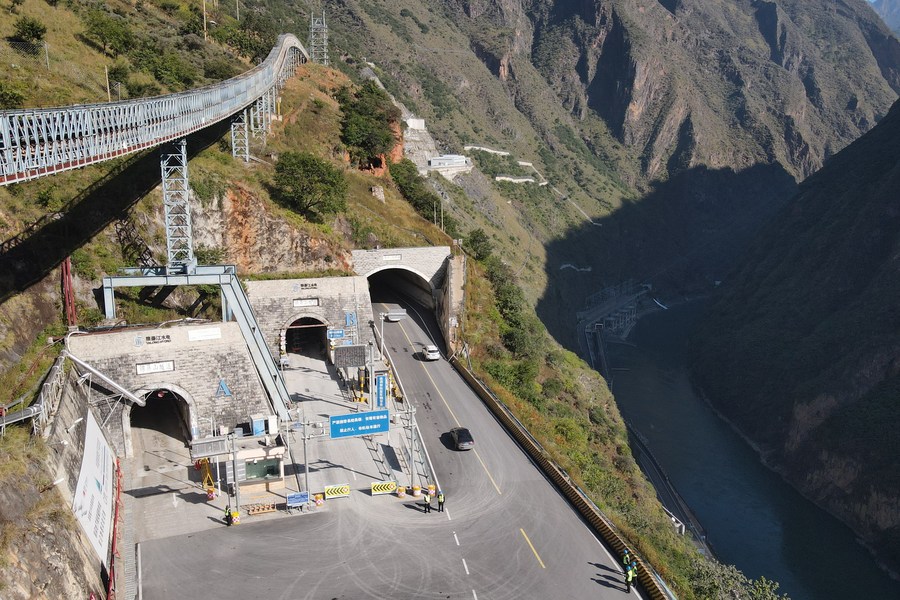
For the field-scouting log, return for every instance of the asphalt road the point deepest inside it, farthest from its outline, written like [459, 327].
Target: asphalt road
[506, 532]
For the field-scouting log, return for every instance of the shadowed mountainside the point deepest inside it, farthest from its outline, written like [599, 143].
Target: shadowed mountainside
[801, 349]
[680, 237]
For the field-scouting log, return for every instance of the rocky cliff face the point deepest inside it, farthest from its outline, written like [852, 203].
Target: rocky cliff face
[46, 557]
[258, 241]
[720, 84]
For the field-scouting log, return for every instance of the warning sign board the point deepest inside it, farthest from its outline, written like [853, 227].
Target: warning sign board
[350, 356]
[383, 487]
[341, 490]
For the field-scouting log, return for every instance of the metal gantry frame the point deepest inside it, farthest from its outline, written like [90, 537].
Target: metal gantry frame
[176, 189]
[318, 39]
[234, 304]
[39, 142]
[240, 136]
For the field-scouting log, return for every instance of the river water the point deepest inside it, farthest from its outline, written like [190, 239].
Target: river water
[753, 519]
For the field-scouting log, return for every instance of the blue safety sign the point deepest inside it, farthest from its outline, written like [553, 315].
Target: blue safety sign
[364, 423]
[297, 499]
[334, 334]
[349, 319]
[381, 391]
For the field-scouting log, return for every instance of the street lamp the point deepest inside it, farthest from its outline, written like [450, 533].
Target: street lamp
[383, 315]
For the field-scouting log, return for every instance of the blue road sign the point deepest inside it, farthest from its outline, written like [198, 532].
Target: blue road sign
[297, 499]
[381, 391]
[349, 319]
[335, 334]
[364, 423]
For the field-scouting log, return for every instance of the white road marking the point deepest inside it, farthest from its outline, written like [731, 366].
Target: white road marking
[448, 514]
[465, 566]
[174, 500]
[456, 538]
[474, 595]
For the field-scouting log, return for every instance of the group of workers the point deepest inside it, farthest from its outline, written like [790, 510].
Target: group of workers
[440, 499]
[629, 563]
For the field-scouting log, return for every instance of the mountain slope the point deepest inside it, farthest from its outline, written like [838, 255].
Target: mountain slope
[722, 84]
[619, 102]
[802, 348]
[889, 10]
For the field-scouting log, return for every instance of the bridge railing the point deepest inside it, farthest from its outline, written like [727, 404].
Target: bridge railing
[38, 142]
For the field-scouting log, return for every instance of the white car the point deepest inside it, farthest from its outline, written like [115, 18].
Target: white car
[431, 353]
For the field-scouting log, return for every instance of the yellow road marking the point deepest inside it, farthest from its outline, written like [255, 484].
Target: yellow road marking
[455, 420]
[530, 545]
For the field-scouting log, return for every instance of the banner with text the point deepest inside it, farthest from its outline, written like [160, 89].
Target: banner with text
[94, 492]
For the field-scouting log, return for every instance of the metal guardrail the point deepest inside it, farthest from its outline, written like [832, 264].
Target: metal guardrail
[39, 142]
[51, 390]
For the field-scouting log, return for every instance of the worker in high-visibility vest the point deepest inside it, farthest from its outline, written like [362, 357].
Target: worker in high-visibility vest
[440, 501]
[630, 575]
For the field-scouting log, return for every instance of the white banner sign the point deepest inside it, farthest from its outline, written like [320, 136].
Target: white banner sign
[157, 367]
[94, 493]
[210, 333]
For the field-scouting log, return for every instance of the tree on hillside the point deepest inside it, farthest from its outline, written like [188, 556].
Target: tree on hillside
[111, 34]
[309, 185]
[27, 29]
[479, 243]
[10, 96]
[369, 116]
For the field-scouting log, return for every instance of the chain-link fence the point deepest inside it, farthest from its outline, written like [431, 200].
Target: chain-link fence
[38, 58]
[16, 55]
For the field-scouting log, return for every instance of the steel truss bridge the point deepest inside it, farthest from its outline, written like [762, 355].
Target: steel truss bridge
[39, 142]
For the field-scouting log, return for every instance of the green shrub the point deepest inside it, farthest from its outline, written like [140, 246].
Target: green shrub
[111, 33]
[28, 29]
[309, 185]
[10, 96]
[368, 121]
[479, 244]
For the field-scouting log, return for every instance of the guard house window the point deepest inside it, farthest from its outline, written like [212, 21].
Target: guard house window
[263, 469]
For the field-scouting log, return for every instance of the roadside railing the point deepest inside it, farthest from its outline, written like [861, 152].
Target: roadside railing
[648, 578]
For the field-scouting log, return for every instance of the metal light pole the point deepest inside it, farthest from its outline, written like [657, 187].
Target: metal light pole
[305, 464]
[371, 376]
[237, 486]
[412, 445]
[383, 315]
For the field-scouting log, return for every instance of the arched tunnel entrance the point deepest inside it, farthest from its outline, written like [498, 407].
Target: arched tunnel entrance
[397, 290]
[395, 284]
[159, 433]
[306, 336]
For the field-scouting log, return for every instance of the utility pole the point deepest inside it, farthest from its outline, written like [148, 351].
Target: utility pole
[412, 444]
[237, 486]
[204, 19]
[371, 375]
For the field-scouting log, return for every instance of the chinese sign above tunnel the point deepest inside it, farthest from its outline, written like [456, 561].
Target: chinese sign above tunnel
[376, 421]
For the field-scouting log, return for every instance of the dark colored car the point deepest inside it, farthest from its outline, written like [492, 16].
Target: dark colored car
[462, 438]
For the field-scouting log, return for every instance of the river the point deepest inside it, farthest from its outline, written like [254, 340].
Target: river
[753, 519]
